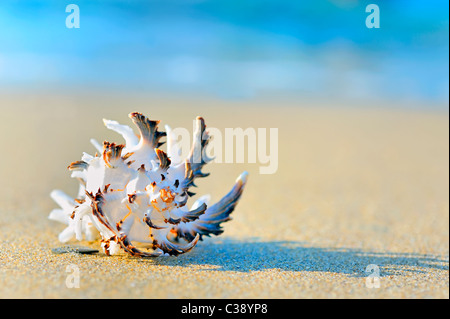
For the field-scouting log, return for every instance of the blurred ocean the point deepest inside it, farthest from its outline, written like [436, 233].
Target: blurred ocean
[230, 49]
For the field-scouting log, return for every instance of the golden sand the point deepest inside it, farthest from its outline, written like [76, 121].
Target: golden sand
[354, 187]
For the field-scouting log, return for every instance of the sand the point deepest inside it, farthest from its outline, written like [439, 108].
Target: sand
[355, 186]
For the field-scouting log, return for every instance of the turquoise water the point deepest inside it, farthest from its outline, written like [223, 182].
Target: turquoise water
[230, 49]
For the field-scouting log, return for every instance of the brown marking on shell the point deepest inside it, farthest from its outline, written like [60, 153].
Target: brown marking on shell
[120, 223]
[173, 249]
[154, 244]
[188, 235]
[131, 198]
[172, 221]
[96, 202]
[201, 140]
[148, 129]
[194, 214]
[111, 152]
[164, 161]
[189, 178]
[127, 155]
[150, 224]
[106, 247]
[132, 250]
[78, 166]
[188, 173]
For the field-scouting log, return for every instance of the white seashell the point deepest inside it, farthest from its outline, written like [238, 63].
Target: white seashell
[132, 193]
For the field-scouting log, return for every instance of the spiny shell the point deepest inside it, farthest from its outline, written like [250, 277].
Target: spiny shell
[133, 193]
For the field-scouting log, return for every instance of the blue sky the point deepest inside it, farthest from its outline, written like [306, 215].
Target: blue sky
[230, 49]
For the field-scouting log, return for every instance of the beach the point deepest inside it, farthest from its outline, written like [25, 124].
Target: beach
[355, 186]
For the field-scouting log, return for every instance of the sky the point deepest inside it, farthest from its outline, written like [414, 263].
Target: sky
[230, 49]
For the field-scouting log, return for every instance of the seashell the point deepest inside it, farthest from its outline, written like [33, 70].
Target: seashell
[132, 192]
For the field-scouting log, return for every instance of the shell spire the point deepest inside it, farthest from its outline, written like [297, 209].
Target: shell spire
[148, 129]
[133, 193]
